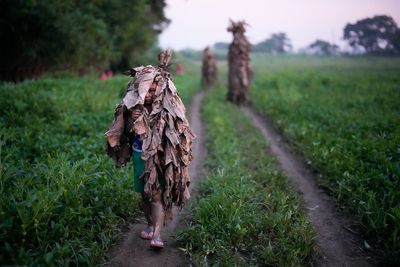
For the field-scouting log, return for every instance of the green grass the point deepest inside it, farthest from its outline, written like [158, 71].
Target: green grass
[246, 213]
[343, 115]
[61, 198]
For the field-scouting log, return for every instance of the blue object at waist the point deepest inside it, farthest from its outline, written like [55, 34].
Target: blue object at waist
[137, 143]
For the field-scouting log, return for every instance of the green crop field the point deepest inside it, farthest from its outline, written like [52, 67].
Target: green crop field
[246, 213]
[61, 198]
[343, 116]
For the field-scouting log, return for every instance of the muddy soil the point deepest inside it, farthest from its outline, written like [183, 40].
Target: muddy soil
[337, 242]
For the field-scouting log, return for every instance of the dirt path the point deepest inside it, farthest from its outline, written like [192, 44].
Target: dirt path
[131, 250]
[336, 244]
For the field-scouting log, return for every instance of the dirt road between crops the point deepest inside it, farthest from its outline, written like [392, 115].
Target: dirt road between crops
[336, 242]
[131, 250]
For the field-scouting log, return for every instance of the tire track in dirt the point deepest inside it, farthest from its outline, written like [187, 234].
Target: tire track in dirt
[335, 245]
[132, 250]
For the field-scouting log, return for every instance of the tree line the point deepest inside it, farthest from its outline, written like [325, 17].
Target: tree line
[45, 35]
[378, 35]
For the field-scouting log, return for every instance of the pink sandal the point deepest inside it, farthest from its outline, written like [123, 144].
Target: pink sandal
[146, 234]
[157, 243]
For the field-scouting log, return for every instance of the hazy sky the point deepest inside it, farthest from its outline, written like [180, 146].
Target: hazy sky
[198, 23]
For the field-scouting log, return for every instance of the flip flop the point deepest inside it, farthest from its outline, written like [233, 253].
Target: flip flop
[157, 243]
[146, 234]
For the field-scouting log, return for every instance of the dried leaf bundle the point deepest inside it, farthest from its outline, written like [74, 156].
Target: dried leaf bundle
[165, 131]
[209, 69]
[239, 64]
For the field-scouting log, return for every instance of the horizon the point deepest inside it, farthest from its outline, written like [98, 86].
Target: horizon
[316, 20]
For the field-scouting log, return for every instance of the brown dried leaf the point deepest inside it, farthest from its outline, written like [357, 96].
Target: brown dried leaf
[165, 131]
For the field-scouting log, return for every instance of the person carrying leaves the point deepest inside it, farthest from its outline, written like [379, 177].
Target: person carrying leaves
[151, 127]
[209, 69]
[239, 73]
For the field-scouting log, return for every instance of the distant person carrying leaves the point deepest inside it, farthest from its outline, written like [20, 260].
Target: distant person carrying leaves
[209, 69]
[150, 126]
[239, 64]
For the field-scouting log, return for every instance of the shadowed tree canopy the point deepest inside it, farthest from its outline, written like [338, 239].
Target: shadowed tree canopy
[320, 47]
[377, 35]
[278, 43]
[39, 36]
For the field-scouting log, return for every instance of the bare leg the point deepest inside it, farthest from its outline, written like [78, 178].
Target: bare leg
[157, 214]
[147, 233]
[146, 205]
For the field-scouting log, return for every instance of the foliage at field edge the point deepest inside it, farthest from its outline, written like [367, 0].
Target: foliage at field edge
[343, 115]
[246, 214]
[44, 35]
[61, 198]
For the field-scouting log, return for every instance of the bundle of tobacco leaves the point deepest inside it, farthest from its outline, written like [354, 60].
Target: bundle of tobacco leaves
[239, 64]
[164, 129]
[209, 69]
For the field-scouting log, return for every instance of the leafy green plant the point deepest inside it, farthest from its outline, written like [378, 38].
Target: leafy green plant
[246, 212]
[61, 198]
[343, 115]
